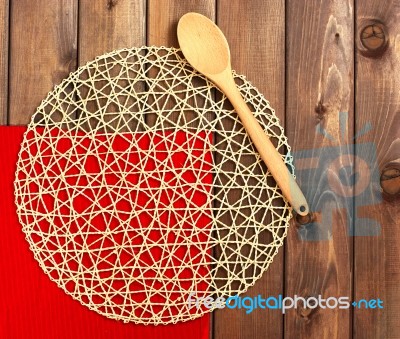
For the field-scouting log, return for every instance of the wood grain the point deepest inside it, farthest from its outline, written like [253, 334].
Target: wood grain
[377, 269]
[319, 83]
[257, 50]
[42, 52]
[4, 8]
[108, 25]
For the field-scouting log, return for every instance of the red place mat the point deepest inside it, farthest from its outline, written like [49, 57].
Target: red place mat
[31, 306]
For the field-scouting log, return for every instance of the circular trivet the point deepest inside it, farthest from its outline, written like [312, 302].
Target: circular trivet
[138, 188]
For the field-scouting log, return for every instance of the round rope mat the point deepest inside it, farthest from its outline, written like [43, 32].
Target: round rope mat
[138, 188]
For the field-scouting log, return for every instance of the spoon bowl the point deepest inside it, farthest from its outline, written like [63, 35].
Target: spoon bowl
[203, 44]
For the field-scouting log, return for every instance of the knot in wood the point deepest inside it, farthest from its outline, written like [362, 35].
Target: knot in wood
[306, 311]
[390, 180]
[373, 39]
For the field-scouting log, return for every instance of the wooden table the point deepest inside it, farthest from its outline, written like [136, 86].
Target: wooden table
[312, 59]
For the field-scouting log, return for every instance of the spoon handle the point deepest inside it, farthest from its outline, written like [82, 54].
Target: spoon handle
[267, 151]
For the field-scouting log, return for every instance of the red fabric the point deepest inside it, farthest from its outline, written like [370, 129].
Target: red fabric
[31, 306]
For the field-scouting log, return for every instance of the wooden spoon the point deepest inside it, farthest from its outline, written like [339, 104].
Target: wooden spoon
[205, 47]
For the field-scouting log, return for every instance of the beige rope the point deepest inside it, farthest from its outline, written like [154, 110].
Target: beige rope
[221, 227]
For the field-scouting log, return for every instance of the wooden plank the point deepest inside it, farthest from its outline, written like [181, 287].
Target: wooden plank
[4, 8]
[105, 26]
[42, 52]
[255, 32]
[320, 86]
[376, 265]
[108, 25]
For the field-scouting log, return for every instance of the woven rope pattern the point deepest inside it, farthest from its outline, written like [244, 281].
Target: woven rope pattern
[137, 185]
